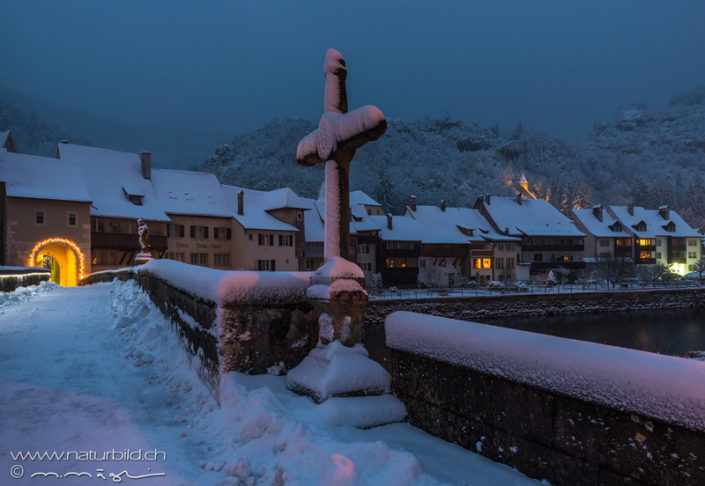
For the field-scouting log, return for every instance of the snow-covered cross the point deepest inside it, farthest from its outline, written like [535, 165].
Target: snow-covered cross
[334, 142]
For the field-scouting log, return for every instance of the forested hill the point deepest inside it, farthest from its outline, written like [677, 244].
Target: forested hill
[646, 157]
[32, 134]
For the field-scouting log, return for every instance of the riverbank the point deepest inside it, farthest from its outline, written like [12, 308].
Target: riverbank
[482, 307]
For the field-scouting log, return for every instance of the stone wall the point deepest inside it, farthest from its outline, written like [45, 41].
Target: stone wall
[555, 431]
[247, 336]
[11, 279]
[477, 308]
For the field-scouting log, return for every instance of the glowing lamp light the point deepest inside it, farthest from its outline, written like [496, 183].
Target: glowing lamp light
[63, 241]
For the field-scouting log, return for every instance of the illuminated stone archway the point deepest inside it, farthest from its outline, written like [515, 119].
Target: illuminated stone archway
[66, 253]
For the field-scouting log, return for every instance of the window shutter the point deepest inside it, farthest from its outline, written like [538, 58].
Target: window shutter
[273, 268]
[229, 233]
[181, 230]
[205, 232]
[193, 231]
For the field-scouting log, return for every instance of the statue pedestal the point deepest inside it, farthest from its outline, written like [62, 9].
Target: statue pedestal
[143, 257]
[351, 388]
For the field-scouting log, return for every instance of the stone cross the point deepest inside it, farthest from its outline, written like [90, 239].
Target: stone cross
[334, 142]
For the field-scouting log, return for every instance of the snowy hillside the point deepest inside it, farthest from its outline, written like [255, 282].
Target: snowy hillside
[646, 157]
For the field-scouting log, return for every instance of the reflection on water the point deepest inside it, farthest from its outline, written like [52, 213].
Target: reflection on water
[666, 332]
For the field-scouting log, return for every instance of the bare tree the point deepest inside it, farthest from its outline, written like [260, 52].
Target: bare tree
[699, 267]
[614, 269]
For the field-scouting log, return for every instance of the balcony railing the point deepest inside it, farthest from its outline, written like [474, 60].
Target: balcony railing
[645, 261]
[555, 247]
[646, 248]
[125, 241]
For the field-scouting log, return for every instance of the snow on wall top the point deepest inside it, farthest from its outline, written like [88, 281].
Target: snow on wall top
[263, 287]
[256, 204]
[533, 217]
[595, 227]
[224, 286]
[3, 137]
[654, 222]
[38, 177]
[105, 172]
[187, 192]
[662, 387]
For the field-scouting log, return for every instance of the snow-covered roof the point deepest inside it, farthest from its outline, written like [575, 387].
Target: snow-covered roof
[187, 192]
[533, 217]
[313, 222]
[445, 226]
[283, 198]
[403, 229]
[38, 177]
[655, 223]
[360, 197]
[601, 229]
[106, 172]
[256, 204]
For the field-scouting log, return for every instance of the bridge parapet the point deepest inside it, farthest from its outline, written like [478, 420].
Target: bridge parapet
[569, 411]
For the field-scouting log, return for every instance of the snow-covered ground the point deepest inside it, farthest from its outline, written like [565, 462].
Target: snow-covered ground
[97, 369]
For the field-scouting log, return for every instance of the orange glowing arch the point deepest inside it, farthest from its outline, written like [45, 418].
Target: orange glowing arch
[61, 241]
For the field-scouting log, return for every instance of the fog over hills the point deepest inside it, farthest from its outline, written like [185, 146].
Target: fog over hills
[646, 157]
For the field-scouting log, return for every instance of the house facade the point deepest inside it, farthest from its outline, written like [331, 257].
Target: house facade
[45, 216]
[549, 240]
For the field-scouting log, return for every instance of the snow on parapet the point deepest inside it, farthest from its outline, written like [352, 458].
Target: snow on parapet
[223, 286]
[661, 387]
[263, 287]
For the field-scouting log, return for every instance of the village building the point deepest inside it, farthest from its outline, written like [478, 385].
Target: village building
[268, 229]
[606, 238]
[201, 220]
[549, 240]
[398, 249]
[121, 192]
[462, 245]
[661, 236]
[45, 215]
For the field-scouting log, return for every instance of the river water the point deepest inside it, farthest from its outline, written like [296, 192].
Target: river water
[665, 332]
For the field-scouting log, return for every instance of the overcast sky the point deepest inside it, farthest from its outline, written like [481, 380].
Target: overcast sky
[229, 66]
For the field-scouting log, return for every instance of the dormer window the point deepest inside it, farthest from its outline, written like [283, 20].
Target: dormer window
[133, 193]
[670, 227]
[616, 227]
[640, 226]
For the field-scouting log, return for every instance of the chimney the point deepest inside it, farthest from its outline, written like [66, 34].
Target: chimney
[487, 199]
[389, 221]
[412, 202]
[506, 230]
[64, 141]
[443, 205]
[664, 212]
[630, 209]
[146, 161]
[597, 211]
[241, 202]
[519, 199]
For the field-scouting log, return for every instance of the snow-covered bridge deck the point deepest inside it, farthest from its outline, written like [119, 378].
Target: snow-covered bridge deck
[97, 368]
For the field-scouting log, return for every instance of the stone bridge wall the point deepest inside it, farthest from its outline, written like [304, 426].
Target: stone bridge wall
[230, 334]
[554, 411]
[481, 307]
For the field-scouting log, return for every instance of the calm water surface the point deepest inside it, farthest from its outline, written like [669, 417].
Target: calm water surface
[665, 332]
